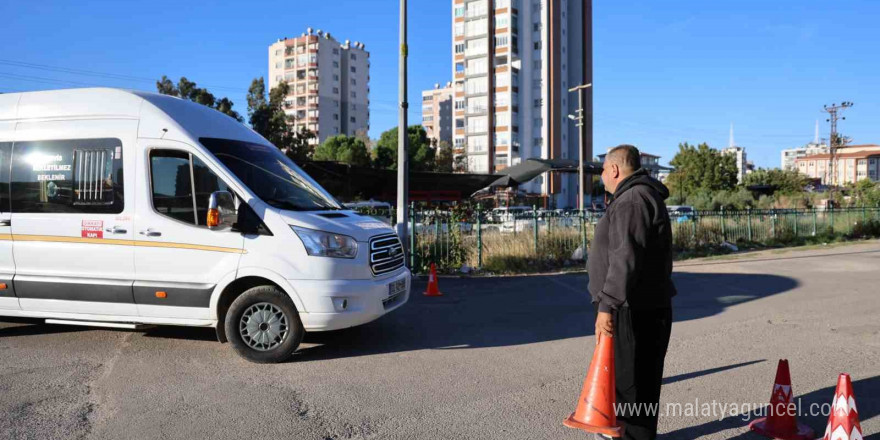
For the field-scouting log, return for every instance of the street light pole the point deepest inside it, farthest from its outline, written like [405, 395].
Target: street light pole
[402, 139]
[582, 127]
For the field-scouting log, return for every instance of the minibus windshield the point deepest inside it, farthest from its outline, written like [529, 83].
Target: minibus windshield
[271, 175]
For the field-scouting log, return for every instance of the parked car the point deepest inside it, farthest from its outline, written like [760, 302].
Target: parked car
[681, 213]
[132, 208]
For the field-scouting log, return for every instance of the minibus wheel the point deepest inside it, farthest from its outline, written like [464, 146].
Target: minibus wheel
[263, 326]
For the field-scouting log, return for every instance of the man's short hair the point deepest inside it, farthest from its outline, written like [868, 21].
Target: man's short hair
[626, 156]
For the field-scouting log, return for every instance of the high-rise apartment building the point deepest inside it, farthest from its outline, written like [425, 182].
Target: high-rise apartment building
[513, 63]
[329, 83]
[437, 113]
[741, 163]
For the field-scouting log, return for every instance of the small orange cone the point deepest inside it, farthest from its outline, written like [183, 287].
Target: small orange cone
[595, 408]
[843, 423]
[781, 422]
[433, 286]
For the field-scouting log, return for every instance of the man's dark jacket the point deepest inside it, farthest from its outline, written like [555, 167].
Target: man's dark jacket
[630, 261]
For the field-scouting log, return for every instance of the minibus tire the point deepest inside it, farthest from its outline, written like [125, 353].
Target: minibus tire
[273, 300]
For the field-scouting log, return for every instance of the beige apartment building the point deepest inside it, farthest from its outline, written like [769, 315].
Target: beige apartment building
[437, 113]
[854, 163]
[329, 83]
[513, 63]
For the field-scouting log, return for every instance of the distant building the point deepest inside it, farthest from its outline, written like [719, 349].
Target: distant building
[854, 163]
[651, 163]
[329, 83]
[513, 63]
[813, 148]
[742, 165]
[437, 113]
[790, 155]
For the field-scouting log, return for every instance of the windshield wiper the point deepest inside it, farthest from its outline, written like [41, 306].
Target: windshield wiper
[284, 204]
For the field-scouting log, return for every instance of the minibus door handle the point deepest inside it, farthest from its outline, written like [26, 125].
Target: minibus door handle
[6, 222]
[151, 233]
[116, 230]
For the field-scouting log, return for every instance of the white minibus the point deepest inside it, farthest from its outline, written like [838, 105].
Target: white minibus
[124, 208]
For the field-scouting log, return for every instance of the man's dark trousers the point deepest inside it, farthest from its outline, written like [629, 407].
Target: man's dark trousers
[641, 337]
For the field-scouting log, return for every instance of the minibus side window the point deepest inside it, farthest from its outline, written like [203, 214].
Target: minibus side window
[175, 177]
[5, 153]
[67, 176]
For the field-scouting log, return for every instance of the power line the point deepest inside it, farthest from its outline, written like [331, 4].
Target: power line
[117, 76]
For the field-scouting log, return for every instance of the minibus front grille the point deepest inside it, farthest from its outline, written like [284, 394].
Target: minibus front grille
[386, 254]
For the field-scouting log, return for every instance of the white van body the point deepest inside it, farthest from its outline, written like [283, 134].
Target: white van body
[87, 233]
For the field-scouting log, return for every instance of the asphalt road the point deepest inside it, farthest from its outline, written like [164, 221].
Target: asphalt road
[496, 358]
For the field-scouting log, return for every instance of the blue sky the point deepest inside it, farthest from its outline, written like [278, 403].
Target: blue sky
[665, 72]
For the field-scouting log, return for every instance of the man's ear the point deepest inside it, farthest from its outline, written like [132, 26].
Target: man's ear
[615, 170]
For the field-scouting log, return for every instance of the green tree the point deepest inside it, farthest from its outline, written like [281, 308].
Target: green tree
[268, 118]
[187, 89]
[344, 149]
[421, 153]
[785, 181]
[701, 168]
[445, 158]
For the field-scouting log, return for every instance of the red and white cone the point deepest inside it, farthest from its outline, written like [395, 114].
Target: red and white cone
[843, 423]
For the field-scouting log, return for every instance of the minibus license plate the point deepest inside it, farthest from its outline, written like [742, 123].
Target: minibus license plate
[396, 287]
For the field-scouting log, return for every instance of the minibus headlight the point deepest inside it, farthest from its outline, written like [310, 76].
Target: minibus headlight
[326, 244]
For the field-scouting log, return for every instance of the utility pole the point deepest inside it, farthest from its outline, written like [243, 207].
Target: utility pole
[582, 129]
[402, 140]
[834, 142]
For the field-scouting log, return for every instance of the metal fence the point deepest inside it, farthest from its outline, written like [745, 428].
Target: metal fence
[535, 239]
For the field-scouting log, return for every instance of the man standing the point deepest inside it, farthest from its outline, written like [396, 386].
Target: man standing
[630, 282]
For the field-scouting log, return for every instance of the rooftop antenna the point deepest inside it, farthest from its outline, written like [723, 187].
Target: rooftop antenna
[816, 135]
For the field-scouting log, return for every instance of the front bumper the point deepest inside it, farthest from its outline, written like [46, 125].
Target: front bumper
[366, 301]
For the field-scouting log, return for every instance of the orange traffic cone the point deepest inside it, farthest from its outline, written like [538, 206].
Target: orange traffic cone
[843, 423]
[433, 286]
[595, 408]
[781, 422]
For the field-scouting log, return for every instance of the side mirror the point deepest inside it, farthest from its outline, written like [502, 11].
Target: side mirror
[222, 213]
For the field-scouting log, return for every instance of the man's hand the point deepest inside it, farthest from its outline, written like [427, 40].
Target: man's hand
[604, 325]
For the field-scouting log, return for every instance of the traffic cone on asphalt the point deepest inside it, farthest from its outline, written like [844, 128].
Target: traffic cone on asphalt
[843, 423]
[433, 285]
[595, 409]
[781, 422]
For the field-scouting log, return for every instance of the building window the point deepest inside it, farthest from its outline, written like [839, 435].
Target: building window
[278, 52]
[459, 48]
[501, 161]
[335, 51]
[353, 94]
[353, 82]
[501, 41]
[353, 69]
[537, 45]
[354, 57]
[353, 120]
[459, 11]
[459, 29]
[501, 21]
[336, 78]
[459, 104]
[336, 90]
[335, 116]
[459, 67]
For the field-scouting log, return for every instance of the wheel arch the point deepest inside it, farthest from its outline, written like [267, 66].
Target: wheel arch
[240, 285]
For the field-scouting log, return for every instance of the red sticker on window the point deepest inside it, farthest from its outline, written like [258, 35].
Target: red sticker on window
[92, 229]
